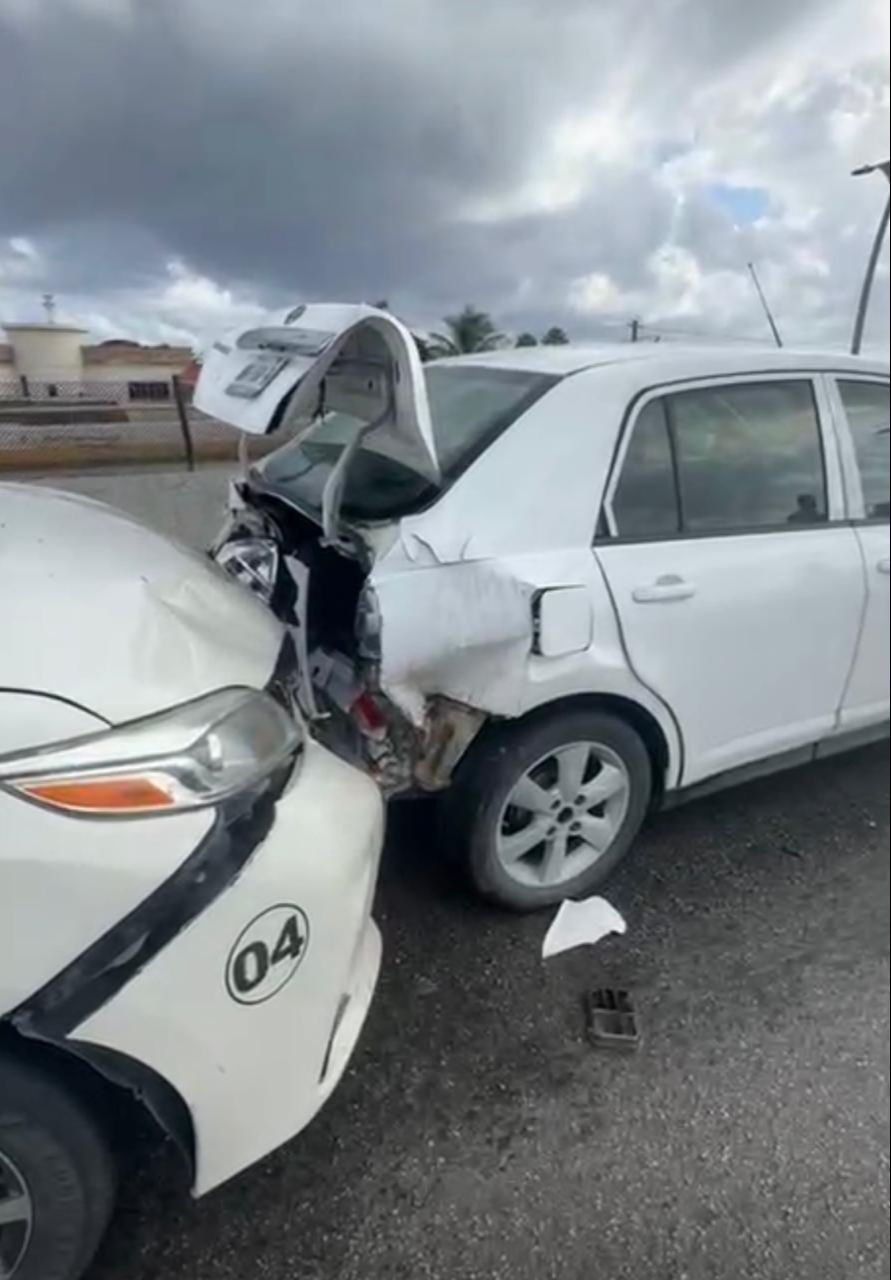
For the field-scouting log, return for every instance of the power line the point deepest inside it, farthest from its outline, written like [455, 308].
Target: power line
[674, 332]
[643, 329]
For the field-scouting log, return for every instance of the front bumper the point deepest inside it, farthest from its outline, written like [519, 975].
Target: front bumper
[254, 1061]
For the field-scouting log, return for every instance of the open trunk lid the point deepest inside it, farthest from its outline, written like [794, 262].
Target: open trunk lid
[322, 358]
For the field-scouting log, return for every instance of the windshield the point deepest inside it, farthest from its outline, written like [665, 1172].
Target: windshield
[469, 406]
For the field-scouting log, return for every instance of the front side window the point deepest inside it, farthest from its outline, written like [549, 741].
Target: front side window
[740, 457]
[749, 456]
[866, 408]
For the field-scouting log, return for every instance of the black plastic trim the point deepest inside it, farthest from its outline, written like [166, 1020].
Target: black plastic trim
[147, 1089]
[712, 534]
[823, 748]
[97, 975]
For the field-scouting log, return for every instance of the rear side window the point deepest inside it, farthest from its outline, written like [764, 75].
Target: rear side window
[724, 459]
[866, 407]
[645, 503]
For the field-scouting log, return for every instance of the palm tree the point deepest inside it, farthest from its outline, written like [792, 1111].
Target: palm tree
[555, 337]
[471, 330]
[526, 340]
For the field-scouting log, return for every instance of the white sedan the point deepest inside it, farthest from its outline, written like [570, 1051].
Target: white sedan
[563, 585]
[185, 875]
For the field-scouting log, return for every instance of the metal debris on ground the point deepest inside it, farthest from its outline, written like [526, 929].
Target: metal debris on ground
[611, 1020]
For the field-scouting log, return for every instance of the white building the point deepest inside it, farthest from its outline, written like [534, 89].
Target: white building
[52, 361]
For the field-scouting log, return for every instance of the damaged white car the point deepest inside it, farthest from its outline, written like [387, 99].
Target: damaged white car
[563, 585]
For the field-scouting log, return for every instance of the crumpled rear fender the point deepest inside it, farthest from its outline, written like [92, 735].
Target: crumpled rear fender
[500, 638]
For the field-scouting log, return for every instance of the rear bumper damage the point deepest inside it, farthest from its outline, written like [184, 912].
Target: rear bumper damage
[355, 719]
[400, 653]
[404, 759]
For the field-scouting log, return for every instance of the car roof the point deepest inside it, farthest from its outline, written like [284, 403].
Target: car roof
[658, 362]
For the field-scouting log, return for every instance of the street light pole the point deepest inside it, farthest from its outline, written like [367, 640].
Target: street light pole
[866, 288]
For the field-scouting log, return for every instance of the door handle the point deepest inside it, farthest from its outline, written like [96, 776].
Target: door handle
[884, 566]
[664, 590]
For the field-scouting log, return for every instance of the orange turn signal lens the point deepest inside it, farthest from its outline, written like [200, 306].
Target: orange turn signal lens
[101, 795]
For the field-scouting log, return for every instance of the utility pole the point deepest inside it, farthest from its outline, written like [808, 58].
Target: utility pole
[873, 261]
[770, 320]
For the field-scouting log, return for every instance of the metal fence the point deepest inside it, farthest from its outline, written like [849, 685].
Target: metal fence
[25, 390]
[58, 433]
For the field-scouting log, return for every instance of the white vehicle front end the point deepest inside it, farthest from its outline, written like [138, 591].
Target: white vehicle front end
[186, 876]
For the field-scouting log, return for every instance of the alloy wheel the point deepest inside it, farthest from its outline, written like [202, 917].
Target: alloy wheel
[563, 814]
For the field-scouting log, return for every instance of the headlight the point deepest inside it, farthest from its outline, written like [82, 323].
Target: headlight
[253, 562]
[195, 755]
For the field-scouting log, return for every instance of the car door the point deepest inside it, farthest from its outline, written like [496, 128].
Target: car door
[861, 406]
[737, 583]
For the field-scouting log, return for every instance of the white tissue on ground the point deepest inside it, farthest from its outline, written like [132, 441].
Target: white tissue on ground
[579, 924]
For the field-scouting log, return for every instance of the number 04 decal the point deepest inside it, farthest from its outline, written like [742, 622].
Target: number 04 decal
[267, 954]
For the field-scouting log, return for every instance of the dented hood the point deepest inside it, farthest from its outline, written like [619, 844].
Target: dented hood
[324, 357]
[104, 612]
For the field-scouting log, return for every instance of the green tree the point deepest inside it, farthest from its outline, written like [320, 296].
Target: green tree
[555, 337]
[526, 340]
[471, 330]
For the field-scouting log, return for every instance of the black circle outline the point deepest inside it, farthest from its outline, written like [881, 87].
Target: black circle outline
[233, 951]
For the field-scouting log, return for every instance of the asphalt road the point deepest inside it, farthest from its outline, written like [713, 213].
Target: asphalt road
[478, 1136]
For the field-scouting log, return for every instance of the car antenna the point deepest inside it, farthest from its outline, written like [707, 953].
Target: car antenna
[770, 320]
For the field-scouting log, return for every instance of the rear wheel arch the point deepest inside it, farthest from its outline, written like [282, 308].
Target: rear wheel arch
[633, 713]
[527, 814]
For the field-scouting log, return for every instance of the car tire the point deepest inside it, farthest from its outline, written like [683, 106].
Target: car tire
[482, 824]
[56, 1166]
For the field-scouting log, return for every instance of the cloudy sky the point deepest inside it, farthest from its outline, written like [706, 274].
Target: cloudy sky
[170, 168]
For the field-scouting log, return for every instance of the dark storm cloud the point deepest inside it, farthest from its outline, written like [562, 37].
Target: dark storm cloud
[330, 149]
[332, 161]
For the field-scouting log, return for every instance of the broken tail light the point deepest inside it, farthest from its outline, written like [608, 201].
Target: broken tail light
[369, 716]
